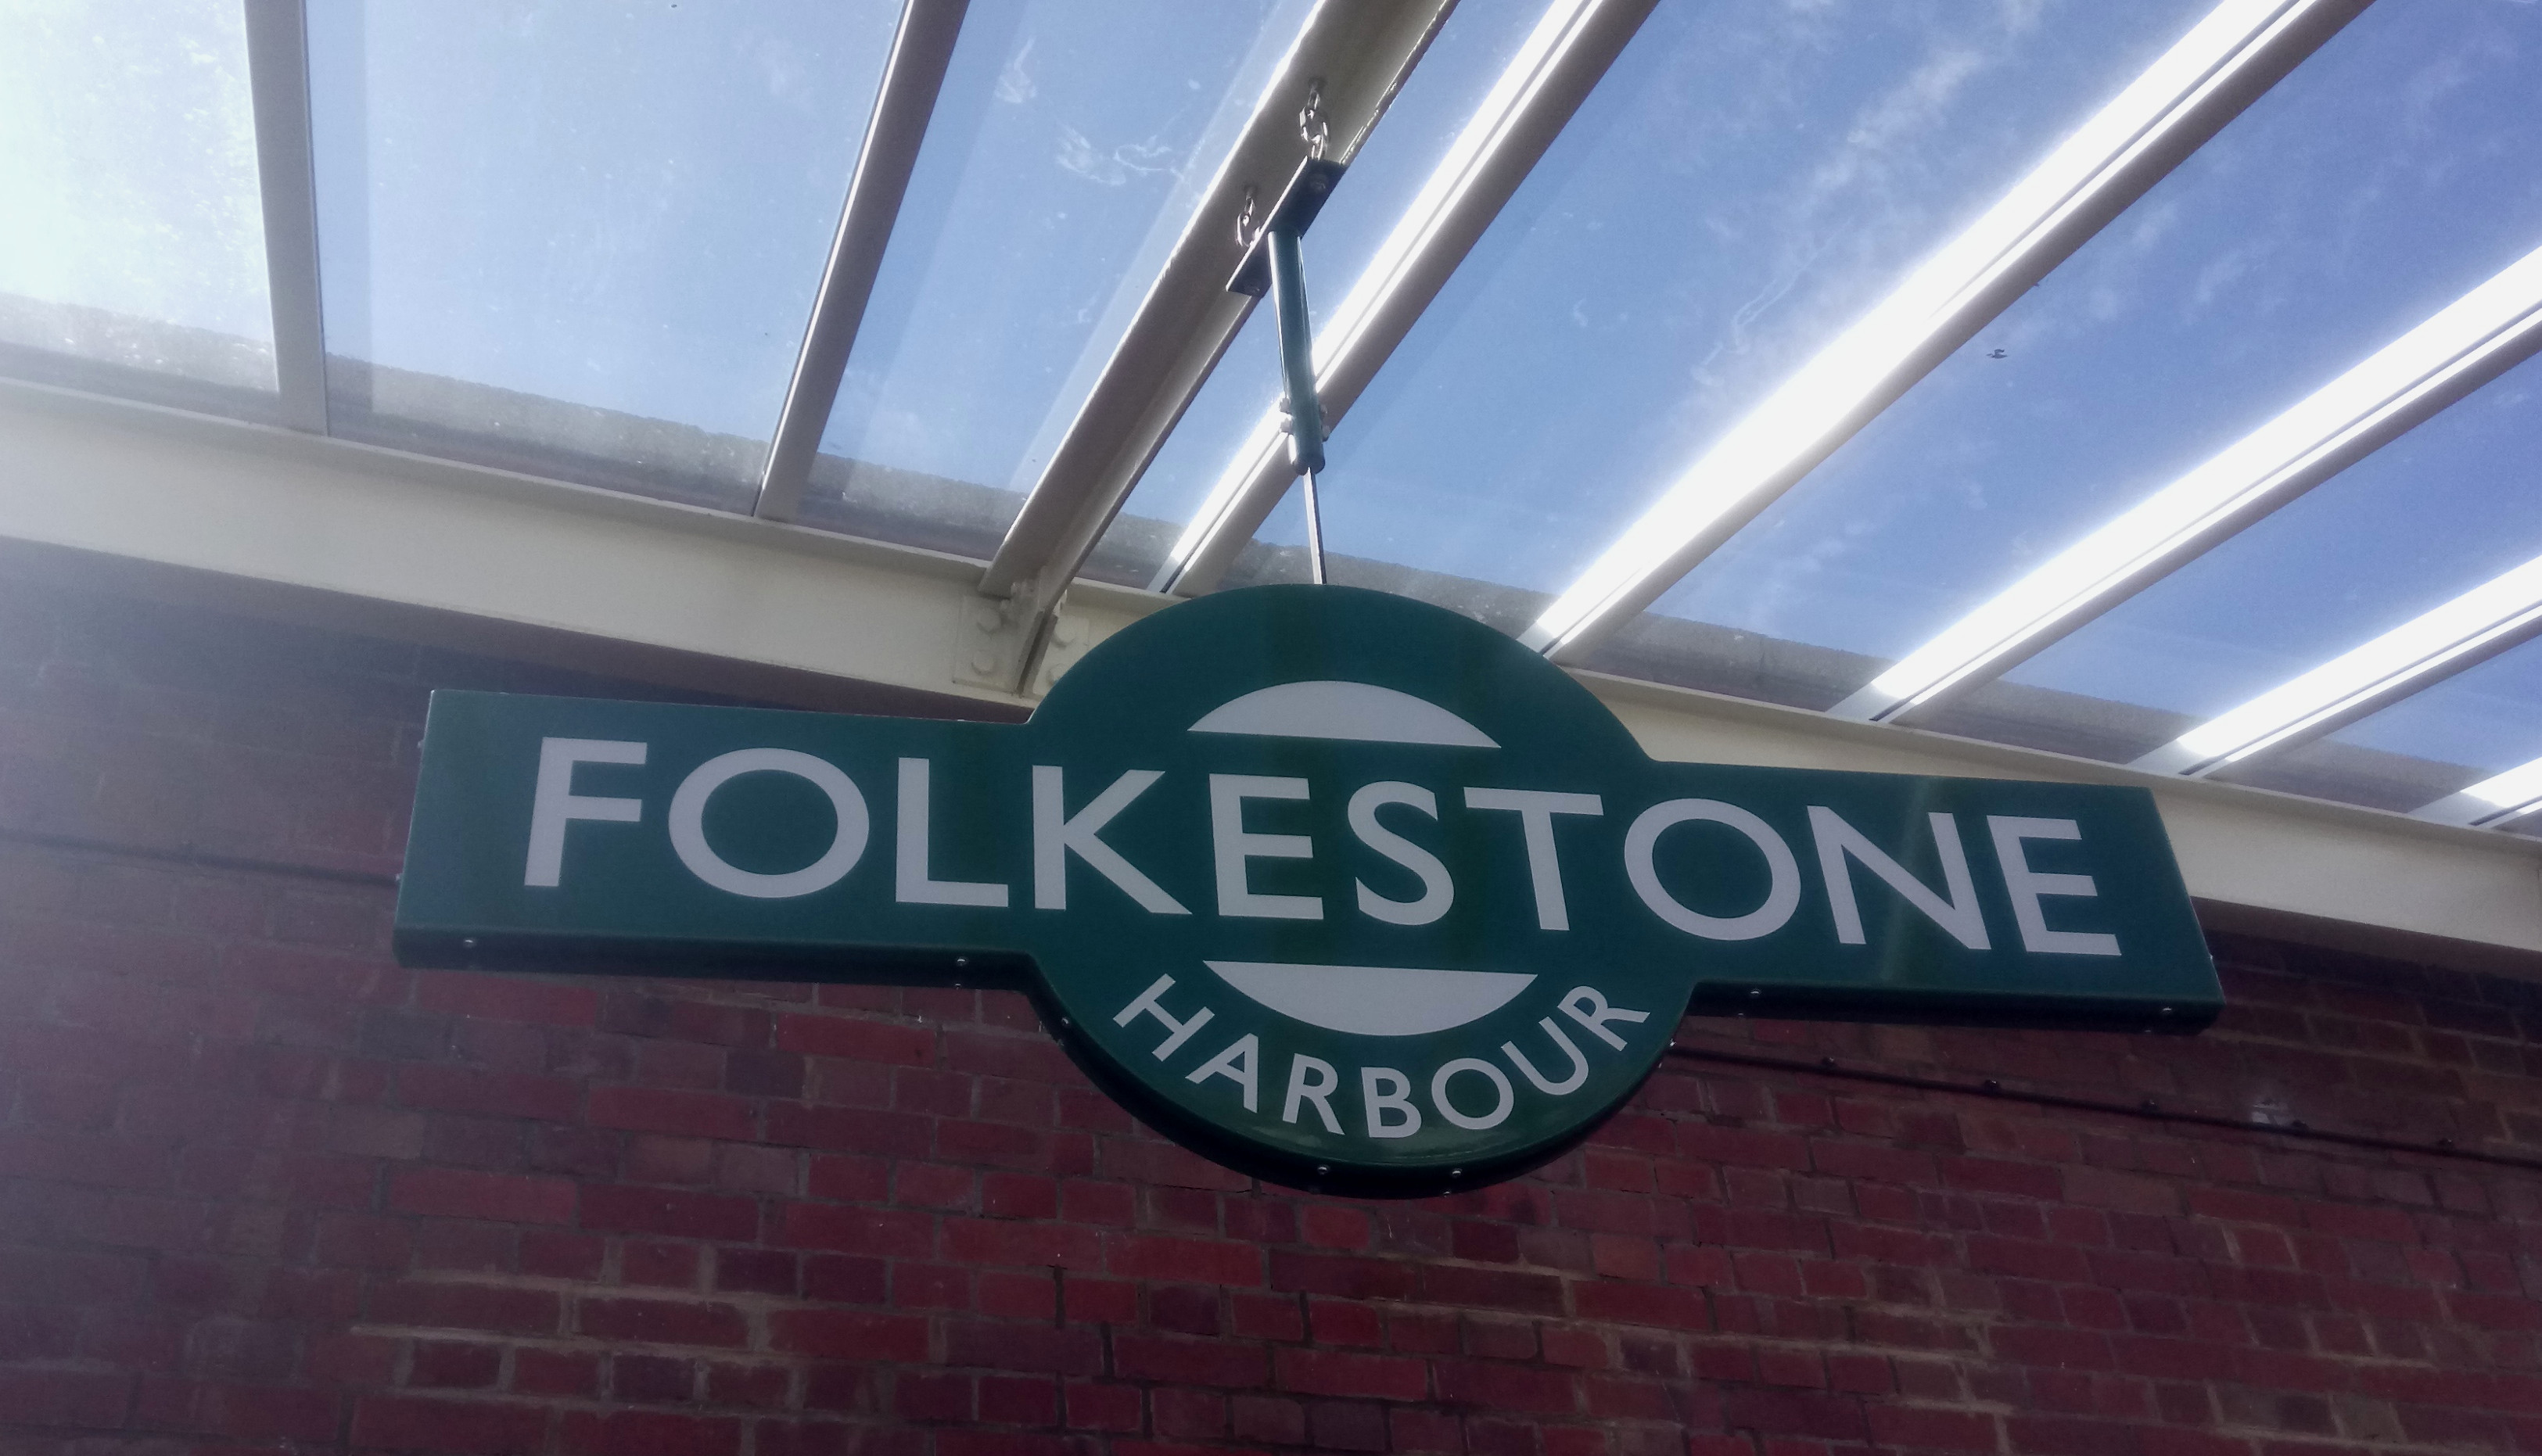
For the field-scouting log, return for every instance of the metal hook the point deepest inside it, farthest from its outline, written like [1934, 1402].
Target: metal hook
[1245, 218]
[1313, 128]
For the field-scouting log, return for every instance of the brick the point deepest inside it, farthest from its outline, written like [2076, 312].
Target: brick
[1334, 1373]
[1490, 1289]
[1346, 1277]
[1038, 1245]
[92, 1398]
[256, 1413]
[896, 1233]
[1668, 1306]
[662, 1322]
[1012, 1345]
[83, 1161]
[472, 1428]
[457, 1305]
[1188, 1361]
[449, 1366]
[850, 1129]
[653, 1210]
[546, 1003]
[555, 1373]
[857, 1038]
[459, 1193]
[61, 1276]
[1507, 1388]
[678, 1112]
[1206, 1260]
[1932, 1430]
[647, 1434]
[756, 1271]
[486, 1093]
[1742, 1147]
[847, 1334]
[1105, 1408]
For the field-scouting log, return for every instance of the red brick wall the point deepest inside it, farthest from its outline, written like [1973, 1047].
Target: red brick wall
[262, 1190]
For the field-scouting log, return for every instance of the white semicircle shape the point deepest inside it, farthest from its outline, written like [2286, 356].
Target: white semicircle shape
[1358, 713]
[1374, 1000]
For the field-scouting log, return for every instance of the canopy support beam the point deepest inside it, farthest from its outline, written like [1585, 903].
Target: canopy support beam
[278, 65]
[921, 50]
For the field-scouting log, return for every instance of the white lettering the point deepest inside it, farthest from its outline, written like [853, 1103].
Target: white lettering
[1151, 1002]
[1782, 894]
[1437, 892]
[1397, 1097]
[1588, 1006]
[689, 833]
[1234, 845]
[1960, 915]
[1237, 1065]
[1579, 1064]
[556, 804]
[1320, 1091]
[1535, 810]
[1057, 834]
[911, 883]
[1500, 1081]
[2027, 885]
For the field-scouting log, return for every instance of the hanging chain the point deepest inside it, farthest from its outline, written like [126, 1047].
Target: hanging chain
[1245, 219]
[1313, 128]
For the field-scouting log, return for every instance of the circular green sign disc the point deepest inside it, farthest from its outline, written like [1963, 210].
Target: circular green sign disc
[1414, 973]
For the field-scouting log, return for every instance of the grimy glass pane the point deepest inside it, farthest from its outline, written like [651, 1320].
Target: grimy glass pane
[1745, 182]
[2395, 170]
[1069, 144]
[132, 240]
[582, 240]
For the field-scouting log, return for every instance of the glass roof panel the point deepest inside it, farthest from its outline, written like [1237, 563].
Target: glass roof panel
[1468, 55]
[1743, 184]
[2477, 723]
[581, 240]
[1070, 143]
[132, 237]
[2387, 175]
[2451, 504]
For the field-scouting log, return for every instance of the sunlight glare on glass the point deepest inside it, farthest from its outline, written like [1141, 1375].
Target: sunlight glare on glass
[2508, 607]
[2518, 791]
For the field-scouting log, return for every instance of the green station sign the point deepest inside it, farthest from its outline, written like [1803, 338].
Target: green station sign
[1334, 887]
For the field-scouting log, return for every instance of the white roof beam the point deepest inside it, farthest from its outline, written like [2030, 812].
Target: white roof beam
[2469, 343]
[2471, 629]
[921, 49]
[278, 65]
[2227, 61]
[1361, 50]
[1552, 73]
